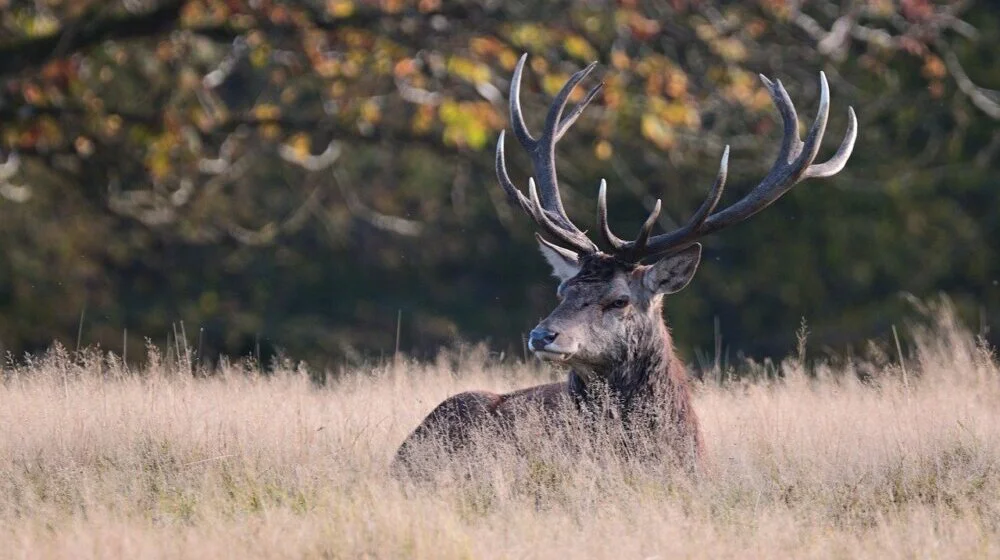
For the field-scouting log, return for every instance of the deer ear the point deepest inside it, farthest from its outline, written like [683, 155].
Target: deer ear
[565, 263]
[672, 273]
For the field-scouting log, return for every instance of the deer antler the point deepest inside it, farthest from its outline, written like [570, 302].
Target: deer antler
[547, 209]
[793, 164]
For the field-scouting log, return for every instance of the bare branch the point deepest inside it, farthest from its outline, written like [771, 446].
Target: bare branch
[227, 65]
[385, 222]
[227, 149]
[14, 193]
[309, 161]
[832, 43]
[146, 205]
[253, 237]
[417, 95]
[987, 100]
[10, 167]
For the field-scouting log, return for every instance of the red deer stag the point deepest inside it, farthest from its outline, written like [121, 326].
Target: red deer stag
[608, 327]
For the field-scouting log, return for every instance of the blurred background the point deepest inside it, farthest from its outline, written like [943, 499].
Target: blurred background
[316, 176]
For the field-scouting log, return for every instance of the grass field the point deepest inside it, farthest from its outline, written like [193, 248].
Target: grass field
[98, 462]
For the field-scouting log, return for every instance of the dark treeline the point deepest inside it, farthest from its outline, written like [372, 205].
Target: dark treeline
[301, 175]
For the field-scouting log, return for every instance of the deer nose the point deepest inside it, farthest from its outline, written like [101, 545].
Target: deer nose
[540, 337]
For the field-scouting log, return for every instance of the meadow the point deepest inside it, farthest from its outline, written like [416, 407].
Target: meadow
[867, 456]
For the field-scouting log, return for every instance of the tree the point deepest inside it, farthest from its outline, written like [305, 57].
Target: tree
[300, 172]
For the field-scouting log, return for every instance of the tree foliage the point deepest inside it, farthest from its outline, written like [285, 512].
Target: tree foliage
[303, 174]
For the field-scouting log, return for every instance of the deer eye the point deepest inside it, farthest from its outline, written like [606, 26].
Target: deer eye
[618, 303]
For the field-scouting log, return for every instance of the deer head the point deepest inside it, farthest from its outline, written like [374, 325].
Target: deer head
[611, 300]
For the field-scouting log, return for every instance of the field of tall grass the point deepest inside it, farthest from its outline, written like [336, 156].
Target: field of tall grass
[855, 458]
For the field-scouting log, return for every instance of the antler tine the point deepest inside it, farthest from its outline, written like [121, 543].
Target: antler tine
[566, 253]
[575, 239]
[558, 105]
[836, 163]
[554, 120]
[513, 193]
[647, 227]
[810, 148]
[790, 143]
[568, 121]
[516, 116]
[685, 235]
[610, 238]
[793, 164]
[620, 247]
[714, 195]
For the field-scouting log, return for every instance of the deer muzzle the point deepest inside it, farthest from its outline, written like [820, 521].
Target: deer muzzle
[548, 345]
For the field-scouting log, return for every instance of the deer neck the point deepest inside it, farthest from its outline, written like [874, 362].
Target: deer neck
[642, 373]
[646, 389]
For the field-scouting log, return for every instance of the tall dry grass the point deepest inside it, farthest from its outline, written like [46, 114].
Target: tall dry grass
[98, 462]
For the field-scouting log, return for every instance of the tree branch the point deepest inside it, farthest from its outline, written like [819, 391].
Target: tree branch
[987, 100]
[81, 34]
[78, 35]
[218, 134]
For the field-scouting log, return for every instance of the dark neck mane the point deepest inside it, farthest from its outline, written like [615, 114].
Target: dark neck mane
[646, 381]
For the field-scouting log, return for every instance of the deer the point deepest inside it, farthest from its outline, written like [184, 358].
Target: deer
[608, 328]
